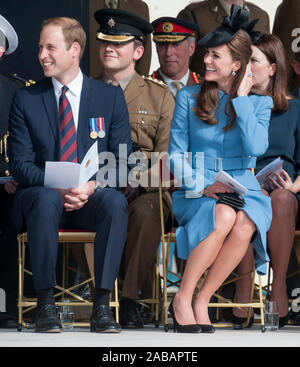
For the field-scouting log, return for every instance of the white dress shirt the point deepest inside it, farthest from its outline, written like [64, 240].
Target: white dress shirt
[73, 94]
[183, 82]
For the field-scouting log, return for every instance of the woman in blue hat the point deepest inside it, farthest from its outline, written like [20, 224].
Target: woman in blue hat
[229, 124]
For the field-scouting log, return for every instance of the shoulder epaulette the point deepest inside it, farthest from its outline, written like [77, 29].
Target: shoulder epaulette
[154, 74]
[27, 83]
[156, 81]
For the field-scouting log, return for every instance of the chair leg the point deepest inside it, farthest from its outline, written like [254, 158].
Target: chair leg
[116, 301]
[165, 276]
[21, 255]
[262, 317]
[157, 288]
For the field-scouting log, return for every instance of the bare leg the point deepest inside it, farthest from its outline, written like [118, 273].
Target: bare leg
[280, 242]
[230, 255]
[203, 255]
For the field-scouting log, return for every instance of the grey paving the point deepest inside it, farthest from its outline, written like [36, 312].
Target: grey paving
[152, 337]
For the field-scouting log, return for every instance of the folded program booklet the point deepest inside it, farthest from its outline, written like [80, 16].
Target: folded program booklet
[66, 175]
[269, 171]
[227, 180]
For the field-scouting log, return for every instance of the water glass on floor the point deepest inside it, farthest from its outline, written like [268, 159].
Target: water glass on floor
[271, 314]
[66, 315]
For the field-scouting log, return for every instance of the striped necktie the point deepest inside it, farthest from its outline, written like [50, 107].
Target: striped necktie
[177, 85]
[68, 145]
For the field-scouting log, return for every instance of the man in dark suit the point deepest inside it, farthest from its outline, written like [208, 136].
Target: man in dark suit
[52, 121]
[137, 7]
[209, 15]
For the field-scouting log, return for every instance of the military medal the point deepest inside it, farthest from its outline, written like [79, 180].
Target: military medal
[101, 128]
[93, 129]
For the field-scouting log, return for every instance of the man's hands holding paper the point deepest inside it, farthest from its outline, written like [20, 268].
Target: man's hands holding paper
[75, 199]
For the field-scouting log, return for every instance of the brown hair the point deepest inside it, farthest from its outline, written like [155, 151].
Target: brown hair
[207, 99]
[72, 31]
[273, 49]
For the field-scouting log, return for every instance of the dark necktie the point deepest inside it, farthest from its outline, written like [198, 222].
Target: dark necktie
[68, 146]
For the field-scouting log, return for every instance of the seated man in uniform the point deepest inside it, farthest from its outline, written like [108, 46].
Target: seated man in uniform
[50, 121]
[137, 7]
[8, 234]
[150, 105]
[175, 45]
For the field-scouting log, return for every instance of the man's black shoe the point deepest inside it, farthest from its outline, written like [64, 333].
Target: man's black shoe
[129, 315]
[7, 321]
[102, 320]
[46, 319]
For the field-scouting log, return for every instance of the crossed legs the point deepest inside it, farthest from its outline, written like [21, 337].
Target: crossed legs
[221, 252]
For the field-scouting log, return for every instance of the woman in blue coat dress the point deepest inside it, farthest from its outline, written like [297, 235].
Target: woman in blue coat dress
[269, 74]
[230, 126]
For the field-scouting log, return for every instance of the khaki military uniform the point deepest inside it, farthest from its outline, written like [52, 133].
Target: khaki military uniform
[150, 105]
[137, 7]
[209, 15]
[193, 79]
[286, 19]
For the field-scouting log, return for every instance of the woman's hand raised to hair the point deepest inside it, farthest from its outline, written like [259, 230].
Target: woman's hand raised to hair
[246, 83]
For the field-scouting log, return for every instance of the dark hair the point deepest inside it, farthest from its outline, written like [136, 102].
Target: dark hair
[207, 99]
[271, 46]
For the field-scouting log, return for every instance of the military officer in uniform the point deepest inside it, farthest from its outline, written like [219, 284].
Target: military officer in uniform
[8, 242]
[150, 106]
[209, 15]
[137, 7]
[175, 44]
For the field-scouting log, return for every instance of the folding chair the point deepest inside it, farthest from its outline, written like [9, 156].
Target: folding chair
[66, 237]
[155, 300]
[170, 237]
[268, 287]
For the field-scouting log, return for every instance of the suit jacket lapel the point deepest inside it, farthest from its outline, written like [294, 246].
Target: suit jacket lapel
[52, 112]
[83, 131]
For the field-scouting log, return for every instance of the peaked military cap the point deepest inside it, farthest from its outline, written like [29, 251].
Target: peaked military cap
[167, 29]
[10, 35]
[237, 20]
[121, 26]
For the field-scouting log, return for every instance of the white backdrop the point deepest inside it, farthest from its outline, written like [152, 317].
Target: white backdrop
[160, 8]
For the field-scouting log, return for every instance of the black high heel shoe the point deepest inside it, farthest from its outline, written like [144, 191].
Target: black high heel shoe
[207, 328]
[239, 321]
[192, 328]
[283, 321]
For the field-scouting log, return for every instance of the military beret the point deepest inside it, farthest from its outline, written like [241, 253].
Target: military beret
[231, 25]
[10, 34]
[167, 29]
[121, 26]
